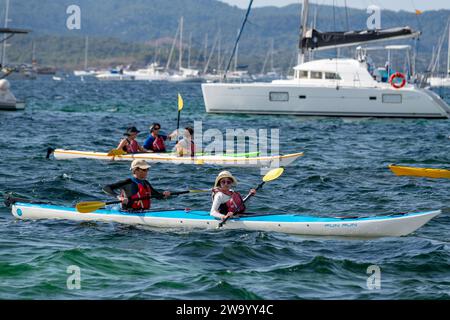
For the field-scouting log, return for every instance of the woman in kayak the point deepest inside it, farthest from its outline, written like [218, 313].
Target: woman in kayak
[129, 144]
[155, 141]
[136, 192]
[186, 146]
[225, 201]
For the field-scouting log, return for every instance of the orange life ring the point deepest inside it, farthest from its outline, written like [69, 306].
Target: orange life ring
[397, 75]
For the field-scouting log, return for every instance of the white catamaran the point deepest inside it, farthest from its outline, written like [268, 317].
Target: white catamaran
[329, 87]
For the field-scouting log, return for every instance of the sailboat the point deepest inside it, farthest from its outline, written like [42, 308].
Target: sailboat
[329, 87]
[85, 72]
[443, 81]
[184, 74]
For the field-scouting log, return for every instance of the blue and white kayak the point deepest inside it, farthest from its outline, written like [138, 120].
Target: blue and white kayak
[377, 226]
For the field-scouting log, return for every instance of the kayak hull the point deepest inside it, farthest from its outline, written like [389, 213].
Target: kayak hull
[420, 172]
[259, 161]
[365, 227]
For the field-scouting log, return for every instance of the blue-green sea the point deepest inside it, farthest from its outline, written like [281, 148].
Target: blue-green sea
[343, 172]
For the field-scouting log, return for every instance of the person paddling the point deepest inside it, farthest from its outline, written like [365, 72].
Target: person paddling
[129, 144]
[225, 201]
[155, 141]
[186, 146]
[136, 192]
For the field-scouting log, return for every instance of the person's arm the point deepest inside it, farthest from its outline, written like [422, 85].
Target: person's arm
[111, 188]
[142, 149]
[173, 134]
[218, 200]
[158, 195]
[122, 144]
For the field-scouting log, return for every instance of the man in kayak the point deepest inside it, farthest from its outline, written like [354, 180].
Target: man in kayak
[136, 192]
[186, 146]
[155, 141]
[225, 201]
[129, 144]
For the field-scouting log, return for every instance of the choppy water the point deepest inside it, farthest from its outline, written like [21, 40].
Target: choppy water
[344, 171]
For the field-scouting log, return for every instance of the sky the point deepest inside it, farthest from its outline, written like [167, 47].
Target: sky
[408, 5]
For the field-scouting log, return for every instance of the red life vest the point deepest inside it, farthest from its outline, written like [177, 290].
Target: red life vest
[144, 192]
[131, 147]
[235, 204]
[158, 144]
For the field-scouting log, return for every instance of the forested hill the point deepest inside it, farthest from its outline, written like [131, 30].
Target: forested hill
[135, 30]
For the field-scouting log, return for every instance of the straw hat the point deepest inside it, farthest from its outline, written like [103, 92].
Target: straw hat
[139, 163]
[225, 174]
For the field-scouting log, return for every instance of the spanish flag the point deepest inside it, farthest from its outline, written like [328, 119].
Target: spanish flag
[418, 12]
[180, 102]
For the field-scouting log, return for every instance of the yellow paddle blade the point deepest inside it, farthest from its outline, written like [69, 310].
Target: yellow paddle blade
[89, 206]
[116, 152]
[198, 191]
[180, 102]
[273, 174]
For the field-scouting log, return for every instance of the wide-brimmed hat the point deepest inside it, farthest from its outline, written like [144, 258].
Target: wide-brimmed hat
[225, 174]
[131, 130]
[139, 163]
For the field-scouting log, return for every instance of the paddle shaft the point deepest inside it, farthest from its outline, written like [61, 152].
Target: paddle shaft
[245, 199]
[176, 193]
[178, 123]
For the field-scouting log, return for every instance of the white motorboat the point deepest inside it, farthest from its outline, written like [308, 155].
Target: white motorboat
[329, 87]
[153, 72]
[8, 101]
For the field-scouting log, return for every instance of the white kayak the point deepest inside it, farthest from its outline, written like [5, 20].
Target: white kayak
[360, 227]
[244, 161]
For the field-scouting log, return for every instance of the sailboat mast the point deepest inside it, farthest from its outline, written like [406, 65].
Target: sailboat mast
[305, 7]
[86, 44]
[236, 55]
[189, 50]
[448, 50]
[181, 43]
[3, 61]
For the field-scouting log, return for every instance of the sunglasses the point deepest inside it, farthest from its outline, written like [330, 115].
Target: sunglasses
[226, 181]
[143, 169]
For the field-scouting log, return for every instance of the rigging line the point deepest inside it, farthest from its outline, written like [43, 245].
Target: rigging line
[346, 15]
[238, 37]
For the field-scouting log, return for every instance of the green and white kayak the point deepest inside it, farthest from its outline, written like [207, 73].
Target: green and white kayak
[360, 227]
[246, 160]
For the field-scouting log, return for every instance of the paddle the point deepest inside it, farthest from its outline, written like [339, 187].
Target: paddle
[115, 152]
[271, 175]
[180, 107]
[90, 206]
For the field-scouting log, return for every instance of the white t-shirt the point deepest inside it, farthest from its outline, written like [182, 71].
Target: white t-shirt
[219, 198]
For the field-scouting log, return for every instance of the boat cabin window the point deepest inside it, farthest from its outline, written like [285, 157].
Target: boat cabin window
[392, 98]
[302, 74]
[332, 76]
[278, 96]
[316, 75]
